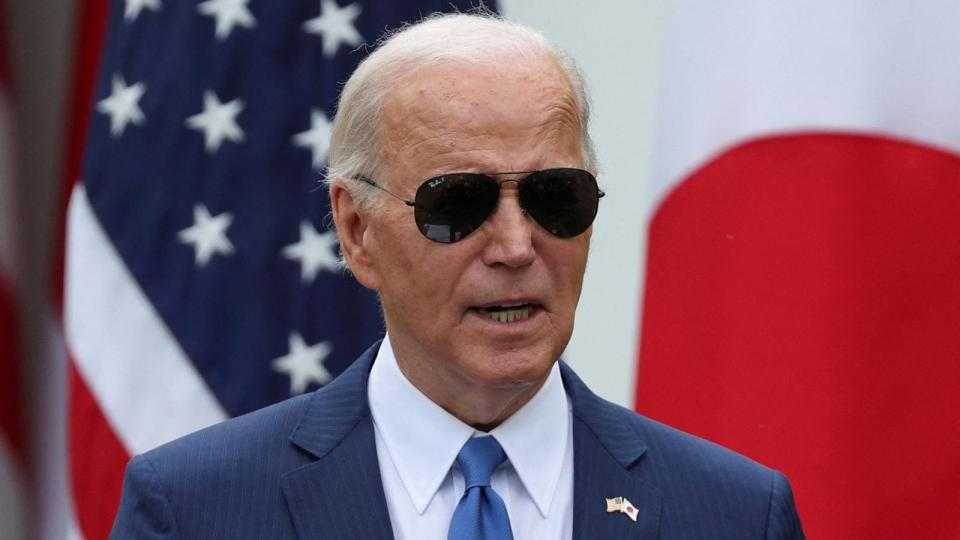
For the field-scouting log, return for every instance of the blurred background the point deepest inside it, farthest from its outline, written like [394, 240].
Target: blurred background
[790, 172]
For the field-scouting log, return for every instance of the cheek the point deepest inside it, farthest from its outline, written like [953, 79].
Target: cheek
[569, 264]
[398, 268]
[418, 278]
[392, 247]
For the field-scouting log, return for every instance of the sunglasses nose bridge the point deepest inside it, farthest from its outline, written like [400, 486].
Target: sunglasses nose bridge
[509, 234]
[516, 181]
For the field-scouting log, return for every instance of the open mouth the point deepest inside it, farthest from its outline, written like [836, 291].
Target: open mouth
[507, 313]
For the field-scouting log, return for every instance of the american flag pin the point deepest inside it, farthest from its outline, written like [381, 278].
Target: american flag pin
[622, 505]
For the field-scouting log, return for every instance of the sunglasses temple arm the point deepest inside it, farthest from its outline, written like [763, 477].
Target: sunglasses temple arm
[370, 182]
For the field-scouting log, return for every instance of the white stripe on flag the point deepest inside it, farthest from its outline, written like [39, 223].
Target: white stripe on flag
[12, 513]
[733, 71]
[73, 530]
[147, 387]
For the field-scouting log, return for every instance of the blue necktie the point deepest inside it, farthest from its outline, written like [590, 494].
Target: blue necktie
[481, 514]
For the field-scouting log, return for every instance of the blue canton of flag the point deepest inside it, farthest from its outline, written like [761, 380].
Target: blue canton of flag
[203, 163]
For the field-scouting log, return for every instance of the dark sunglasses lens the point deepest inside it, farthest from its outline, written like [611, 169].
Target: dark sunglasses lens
[562, 201]
[451, 207]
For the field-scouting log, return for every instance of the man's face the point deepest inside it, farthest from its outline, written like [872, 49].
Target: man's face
[440, 300]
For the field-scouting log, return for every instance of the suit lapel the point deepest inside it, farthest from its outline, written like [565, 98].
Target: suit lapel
[607, 457]
[341, 493]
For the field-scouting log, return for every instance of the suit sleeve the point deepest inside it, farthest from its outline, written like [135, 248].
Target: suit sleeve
[144, 511]
[783, 522]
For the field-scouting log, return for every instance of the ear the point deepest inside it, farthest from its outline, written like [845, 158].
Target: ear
[352, 226]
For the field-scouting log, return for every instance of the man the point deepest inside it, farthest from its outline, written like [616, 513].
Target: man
[462, 185]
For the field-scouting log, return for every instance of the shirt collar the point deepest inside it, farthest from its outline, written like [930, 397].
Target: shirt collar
[423, 440]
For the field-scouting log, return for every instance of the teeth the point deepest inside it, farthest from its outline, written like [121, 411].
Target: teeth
[508, 315]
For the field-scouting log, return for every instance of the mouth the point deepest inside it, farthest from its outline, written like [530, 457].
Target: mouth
[508, 313]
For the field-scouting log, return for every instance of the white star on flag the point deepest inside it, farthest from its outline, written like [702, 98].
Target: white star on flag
[317, 138]
[228, 14]
[133, 8]
[314, 251]
[123, 105]
[218, 121]
[304, 363]
[207, 235]
[335, 26]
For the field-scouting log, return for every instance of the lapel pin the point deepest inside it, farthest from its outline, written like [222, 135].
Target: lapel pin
[622, 505]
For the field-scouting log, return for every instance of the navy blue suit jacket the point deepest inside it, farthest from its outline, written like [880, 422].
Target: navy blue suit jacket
[307, 468]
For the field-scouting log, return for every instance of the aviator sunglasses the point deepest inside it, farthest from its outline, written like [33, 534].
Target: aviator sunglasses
[449, 207]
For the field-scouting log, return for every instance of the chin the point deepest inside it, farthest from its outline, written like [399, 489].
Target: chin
[511, 369]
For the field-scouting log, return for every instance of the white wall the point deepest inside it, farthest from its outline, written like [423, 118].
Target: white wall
[618, 45]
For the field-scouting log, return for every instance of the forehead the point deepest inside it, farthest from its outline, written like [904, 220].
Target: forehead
[461, 116]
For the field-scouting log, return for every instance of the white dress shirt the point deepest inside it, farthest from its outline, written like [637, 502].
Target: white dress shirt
[418, 443]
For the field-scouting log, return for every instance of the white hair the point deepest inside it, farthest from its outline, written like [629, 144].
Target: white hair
[477, 38]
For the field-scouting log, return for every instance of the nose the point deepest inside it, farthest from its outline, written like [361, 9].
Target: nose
[509, 231]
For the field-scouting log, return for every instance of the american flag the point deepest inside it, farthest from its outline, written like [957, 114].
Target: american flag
[202, 277]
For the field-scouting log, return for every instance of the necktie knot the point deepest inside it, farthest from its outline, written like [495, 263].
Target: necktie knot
[480, 514]
[478, 459]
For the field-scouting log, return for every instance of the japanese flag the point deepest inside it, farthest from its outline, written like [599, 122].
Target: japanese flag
[802, 301]
[629, 509]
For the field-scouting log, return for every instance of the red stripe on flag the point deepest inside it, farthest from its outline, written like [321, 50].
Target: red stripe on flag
[91, 30]
[97, 457]
[10, 409]
[803, 307]
[97, 461]
[4, 61]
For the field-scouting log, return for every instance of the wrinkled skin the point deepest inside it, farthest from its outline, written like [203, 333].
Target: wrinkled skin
[460, 118]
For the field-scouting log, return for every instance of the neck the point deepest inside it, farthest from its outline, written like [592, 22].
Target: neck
[486, 412]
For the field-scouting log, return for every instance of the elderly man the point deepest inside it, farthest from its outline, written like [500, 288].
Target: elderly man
[462, 185]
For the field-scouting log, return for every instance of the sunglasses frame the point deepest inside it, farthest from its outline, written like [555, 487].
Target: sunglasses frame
[413, 203]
